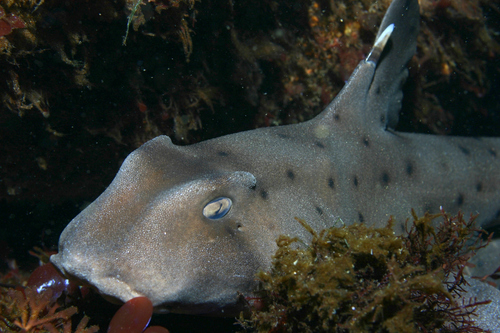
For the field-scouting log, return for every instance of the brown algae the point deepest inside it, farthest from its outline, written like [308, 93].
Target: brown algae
[361, 279]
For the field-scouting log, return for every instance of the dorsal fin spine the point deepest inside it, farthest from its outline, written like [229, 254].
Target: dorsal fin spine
[379, 45]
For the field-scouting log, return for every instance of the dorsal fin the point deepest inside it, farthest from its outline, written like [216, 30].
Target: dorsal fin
[372, 96]
[391, 70]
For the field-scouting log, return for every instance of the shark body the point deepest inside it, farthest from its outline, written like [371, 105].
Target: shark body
[189, 226]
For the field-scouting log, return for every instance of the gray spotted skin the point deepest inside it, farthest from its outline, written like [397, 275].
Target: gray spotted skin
[487, 316]
[147, 235]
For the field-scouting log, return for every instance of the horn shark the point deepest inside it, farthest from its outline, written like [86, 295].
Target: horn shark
[189, 226]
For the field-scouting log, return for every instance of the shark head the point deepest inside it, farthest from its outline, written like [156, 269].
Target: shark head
[169, 229]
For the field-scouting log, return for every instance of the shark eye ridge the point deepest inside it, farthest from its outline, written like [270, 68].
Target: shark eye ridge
[217, 208]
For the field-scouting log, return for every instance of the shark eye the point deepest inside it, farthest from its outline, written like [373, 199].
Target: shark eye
[217, 208]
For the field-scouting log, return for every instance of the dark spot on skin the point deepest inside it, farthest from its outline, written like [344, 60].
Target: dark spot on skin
[378, 91]
[464, 150]
[331, 183]
[283, 136]
[263, 194]
[382, 119]
[290, 174]
[336, 117]
[385, 178]
[222, 153]
[319, 210]
[356, 181]
[366, 142]
[360, 217]
[460, 199]
[409, 168]
[319, 144]
[492, 152]
[479, 187]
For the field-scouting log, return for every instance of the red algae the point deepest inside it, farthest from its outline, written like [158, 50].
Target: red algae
[132, 317]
